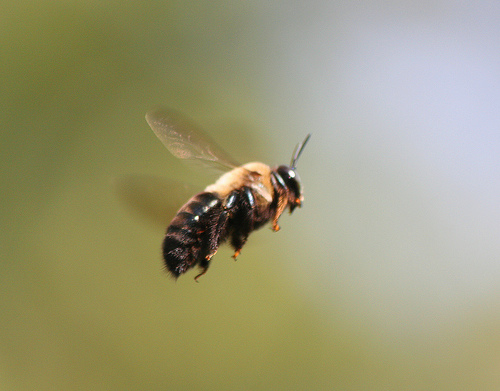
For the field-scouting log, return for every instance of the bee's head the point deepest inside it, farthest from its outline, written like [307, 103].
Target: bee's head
[291, 179]
[291, 182]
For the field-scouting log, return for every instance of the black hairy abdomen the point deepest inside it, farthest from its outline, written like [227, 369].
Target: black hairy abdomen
[189, 238]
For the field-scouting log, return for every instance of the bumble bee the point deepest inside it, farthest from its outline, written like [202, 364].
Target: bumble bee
[242, 200]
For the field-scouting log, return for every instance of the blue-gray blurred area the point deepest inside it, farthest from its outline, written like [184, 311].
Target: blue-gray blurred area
[386, 279]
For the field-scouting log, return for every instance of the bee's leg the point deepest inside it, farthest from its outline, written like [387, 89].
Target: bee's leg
[243, 221]
[238, 241]
[213, 235]
[203, 263]
[279, 210]
[282, 202]
[202, 273]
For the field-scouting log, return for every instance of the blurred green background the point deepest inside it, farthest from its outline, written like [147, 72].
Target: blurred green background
[387, 278]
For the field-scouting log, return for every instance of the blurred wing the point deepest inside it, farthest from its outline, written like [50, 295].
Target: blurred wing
[186, 141]
[156, 199]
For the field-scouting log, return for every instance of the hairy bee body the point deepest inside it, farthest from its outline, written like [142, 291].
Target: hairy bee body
[239, 202]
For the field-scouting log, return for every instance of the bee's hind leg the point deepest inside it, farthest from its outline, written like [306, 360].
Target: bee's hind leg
[204, 264]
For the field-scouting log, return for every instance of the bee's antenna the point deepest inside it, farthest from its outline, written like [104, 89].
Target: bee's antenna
[298, 150]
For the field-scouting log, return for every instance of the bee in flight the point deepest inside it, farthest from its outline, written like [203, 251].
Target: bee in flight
[242, 200]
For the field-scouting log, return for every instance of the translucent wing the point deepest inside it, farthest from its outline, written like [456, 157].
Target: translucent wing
[153, 198]
[186, 141]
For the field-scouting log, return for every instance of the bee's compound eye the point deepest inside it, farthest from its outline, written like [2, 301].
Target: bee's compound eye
[291, 180]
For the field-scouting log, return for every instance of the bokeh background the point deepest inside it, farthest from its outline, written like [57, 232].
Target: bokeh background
[387, 278]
